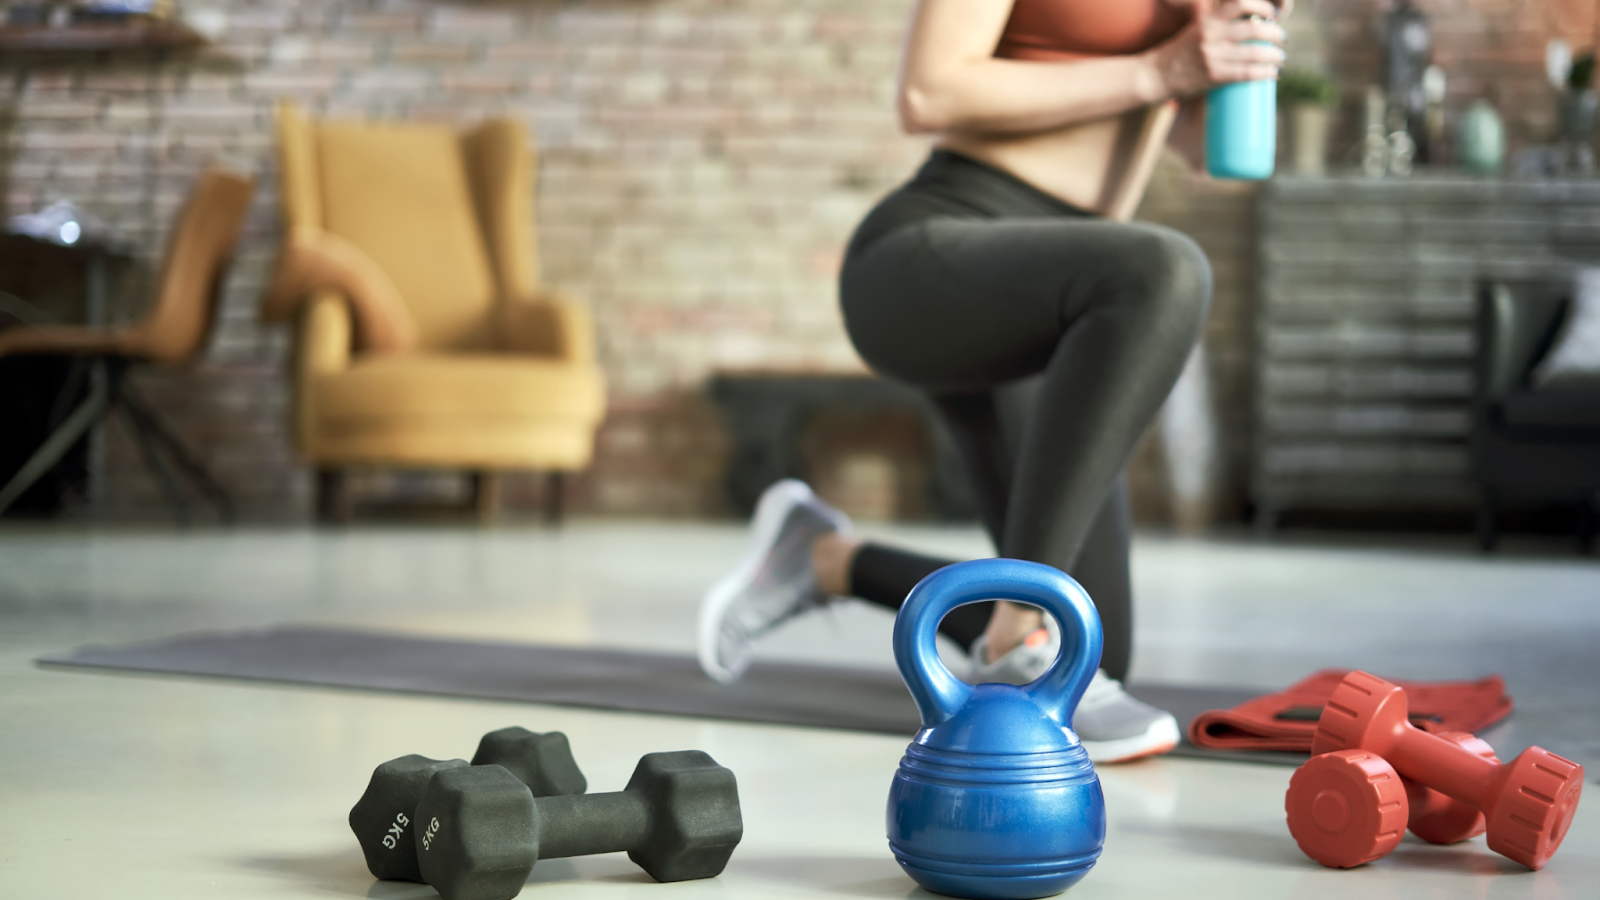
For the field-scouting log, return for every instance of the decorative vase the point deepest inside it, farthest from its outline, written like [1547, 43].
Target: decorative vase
[1481, 139]
[1308, 129]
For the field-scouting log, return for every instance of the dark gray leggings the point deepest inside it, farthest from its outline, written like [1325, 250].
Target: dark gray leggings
[1047, 339]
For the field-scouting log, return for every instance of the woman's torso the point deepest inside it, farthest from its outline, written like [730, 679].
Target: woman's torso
[1091, 165]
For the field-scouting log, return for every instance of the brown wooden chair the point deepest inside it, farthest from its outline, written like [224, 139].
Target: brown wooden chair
[171, 333]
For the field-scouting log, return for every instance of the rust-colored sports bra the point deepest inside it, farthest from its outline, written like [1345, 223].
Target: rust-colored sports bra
[1072, 29]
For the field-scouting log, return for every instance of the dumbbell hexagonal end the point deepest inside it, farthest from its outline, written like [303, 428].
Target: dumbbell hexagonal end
[382, 818]
[477, 834]
[543, 762]
[1363, 713]
[697, 818]
[1346, 808]
[1439, 819]
[1534, 809]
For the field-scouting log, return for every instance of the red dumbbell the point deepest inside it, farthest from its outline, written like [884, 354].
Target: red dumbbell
[1435, 817]
[1346, 808]
[1340, 819]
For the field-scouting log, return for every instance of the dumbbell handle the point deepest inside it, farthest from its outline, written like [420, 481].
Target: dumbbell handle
[1368, 713]
[1442, 764]
[586, 824]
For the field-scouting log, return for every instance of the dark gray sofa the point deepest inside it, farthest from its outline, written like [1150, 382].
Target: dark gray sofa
[1529, 445]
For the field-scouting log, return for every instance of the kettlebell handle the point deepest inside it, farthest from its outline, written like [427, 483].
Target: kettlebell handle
[938, 693]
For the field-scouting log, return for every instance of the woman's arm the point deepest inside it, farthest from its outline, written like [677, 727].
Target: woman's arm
[951, 81]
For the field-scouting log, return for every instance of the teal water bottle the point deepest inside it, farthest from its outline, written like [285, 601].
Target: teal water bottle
[1242, 129]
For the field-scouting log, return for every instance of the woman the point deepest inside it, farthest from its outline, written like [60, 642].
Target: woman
[1045, 331]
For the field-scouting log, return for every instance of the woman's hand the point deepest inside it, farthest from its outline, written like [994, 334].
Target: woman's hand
[1216, 49]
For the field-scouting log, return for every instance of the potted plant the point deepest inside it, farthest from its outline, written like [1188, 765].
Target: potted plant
[1307, 96]
[1578, 106]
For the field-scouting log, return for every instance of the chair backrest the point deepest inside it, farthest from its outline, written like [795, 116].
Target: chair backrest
[189, 287]
[446, 214]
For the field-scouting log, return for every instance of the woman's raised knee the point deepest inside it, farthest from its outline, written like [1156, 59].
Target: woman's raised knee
[1163, 277]
[1176, 269]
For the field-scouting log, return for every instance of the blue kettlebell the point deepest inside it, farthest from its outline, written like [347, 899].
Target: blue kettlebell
[996, 798]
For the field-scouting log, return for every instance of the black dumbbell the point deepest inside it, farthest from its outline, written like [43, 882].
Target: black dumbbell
[479, 830]
[382, 817]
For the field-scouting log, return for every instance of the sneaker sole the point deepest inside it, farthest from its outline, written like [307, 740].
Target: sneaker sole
[768, 521]
[1161, 737]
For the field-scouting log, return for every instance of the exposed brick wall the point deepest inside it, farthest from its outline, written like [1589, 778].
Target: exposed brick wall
[703, 162]
[701, 166]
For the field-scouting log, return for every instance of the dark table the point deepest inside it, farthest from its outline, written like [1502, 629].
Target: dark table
[48, 282]
[767, 413]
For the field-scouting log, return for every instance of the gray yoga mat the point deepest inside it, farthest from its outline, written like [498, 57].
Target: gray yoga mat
[786, 693]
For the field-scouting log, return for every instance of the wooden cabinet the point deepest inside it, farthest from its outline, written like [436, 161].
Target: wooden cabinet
[1364, 327]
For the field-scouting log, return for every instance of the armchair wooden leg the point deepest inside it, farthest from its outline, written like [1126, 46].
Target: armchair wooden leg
[555, 485]
[334, 506]
[485, 491]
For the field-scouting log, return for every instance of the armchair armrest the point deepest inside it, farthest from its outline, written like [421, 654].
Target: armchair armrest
[548, 324]
[314, 261]
[1513, 333]
[1496, 377]
[324, 336]
[323, 331]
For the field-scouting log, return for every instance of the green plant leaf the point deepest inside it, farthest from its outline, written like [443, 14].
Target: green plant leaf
[1304, 86]
[1581, 78]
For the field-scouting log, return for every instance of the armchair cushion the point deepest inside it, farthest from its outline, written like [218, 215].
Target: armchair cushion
[487, 409]
[313, 260]
[460, 386]
[1574, 362]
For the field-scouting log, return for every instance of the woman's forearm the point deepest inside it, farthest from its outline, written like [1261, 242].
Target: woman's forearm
[1013, 96]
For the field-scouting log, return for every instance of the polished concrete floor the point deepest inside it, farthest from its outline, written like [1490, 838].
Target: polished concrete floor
[130, 786]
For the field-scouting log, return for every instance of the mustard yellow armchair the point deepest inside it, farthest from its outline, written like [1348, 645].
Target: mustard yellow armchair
[423, 337]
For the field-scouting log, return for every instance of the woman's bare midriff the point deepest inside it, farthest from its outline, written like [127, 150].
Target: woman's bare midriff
[1101, 166]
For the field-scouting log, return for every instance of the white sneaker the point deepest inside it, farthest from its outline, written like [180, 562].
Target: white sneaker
[772, 584]
[1113, 726]
[1116, 727]
[1022, 664]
